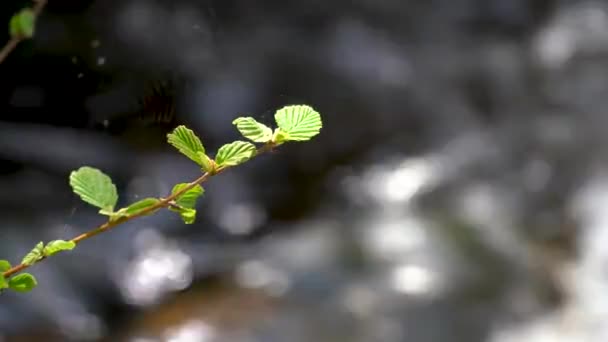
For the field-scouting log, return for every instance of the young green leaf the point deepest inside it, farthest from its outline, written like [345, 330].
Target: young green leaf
[23, 282]
[22, 24]
[4, 266]
[138, 206]
[188, 215]
[235, 153]
[3, 282]
[253, 130]
[95, 188]
[186, 142]
[187, 199]
[298, 123]
[34, 255]
[185, 203]
[57, 246]
[279, 136]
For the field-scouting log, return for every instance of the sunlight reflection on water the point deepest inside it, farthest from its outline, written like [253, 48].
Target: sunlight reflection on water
[159, 268]
[193, 331]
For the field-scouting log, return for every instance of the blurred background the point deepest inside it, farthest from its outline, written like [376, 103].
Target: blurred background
[457, 192]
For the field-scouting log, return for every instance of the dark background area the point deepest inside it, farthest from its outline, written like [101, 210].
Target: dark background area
[457, 191]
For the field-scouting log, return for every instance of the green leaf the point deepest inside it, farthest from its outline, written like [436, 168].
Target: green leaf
[4, 266]
[186, 202]
[235, 153]
[253, 130]
[298, 123]
[188, 215]
[187, 199]
[138, 206]
[57, 246]
[3, 282]
[22, 24]
[189, 145]
[95, 188]
[34, 255]
[279, 136]
[23, 282]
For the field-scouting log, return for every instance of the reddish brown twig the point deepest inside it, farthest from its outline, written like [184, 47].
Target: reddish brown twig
[163, 203]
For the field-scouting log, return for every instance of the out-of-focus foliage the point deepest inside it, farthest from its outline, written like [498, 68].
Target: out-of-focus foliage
[22, 24]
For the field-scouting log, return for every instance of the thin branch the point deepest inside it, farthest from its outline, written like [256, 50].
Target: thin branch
[163, 203]
[15, 40]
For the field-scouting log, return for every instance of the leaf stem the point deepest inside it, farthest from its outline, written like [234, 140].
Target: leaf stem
[15, 40]
[163, 203]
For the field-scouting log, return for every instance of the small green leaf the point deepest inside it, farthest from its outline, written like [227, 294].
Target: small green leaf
[185, 203]
[3, 282]
[187, 199]
[253, 130]
[207, 164]
[22, 24]
[4, 266]
[188, 215]
[189, 145]
[138, 206]
[235, 153]
[95, 188]
[279, 136]
[298, 123]
[34, 255]
[23, 282]
[57, 246]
